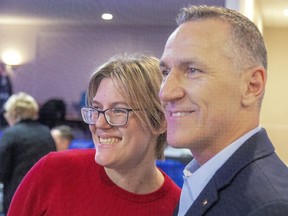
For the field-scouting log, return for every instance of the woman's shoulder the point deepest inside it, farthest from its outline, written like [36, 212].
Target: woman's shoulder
[71, 156]
[67, 163]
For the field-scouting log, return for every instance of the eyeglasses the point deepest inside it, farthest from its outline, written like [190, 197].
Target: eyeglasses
[113, 116]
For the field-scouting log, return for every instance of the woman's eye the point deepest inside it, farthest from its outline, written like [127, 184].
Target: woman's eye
[119, 111]
[97, 108]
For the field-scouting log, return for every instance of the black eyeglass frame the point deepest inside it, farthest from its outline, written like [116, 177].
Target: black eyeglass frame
[128, 110]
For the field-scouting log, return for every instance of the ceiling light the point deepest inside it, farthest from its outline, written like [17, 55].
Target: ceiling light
[107, 16]
[11, 57]
[285, 12]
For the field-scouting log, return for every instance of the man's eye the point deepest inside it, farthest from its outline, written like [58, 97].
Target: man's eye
[192, 71]
[165, 72]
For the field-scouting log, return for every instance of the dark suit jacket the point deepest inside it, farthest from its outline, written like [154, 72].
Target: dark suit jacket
[21, 146]
[253, 181]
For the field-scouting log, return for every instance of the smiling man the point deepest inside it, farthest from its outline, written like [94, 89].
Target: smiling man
[214, 66]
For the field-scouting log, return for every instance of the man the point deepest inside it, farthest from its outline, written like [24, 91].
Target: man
[214, 67]
[63, 136]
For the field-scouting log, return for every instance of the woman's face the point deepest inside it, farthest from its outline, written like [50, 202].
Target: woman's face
[123, 147]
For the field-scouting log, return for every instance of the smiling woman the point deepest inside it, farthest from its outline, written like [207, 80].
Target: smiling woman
[129, 132]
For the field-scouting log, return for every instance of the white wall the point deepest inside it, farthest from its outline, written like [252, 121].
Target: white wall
[274, 115]
[61, 59]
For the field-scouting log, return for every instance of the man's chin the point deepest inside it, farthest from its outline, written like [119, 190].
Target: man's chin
[176, 143]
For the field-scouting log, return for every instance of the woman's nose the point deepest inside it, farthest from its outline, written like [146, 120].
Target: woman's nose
[101, 122]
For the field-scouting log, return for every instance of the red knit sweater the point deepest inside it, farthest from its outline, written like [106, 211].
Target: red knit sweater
[71, 183]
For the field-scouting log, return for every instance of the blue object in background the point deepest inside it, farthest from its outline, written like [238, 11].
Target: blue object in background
[81, 143]
[173, 168]
[83, 99]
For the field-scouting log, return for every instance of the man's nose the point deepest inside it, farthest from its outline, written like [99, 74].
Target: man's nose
[172, 88]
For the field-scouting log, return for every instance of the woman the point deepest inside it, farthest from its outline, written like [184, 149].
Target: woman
[22, 144]
[128, 128]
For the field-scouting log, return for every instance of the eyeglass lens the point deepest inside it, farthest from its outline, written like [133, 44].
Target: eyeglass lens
[113, 116]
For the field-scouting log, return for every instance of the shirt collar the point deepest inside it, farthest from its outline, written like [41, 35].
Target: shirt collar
[199, 176]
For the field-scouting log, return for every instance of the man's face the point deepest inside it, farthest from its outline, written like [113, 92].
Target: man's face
[201, 91]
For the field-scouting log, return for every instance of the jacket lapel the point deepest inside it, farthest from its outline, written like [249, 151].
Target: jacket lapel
[256, 147]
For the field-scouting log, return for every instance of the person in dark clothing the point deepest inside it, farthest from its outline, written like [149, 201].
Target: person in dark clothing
[5, 92]
[52, 112]
[22, 144]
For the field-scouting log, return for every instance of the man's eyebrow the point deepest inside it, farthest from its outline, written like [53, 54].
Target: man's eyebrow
[162, 64]
[180, 64]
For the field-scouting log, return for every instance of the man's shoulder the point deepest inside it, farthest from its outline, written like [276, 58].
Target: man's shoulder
[261, 183]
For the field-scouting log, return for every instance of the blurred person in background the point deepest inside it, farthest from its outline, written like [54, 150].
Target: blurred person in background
[63, 136]
[23, 143]
[128, 127]
[5, 92]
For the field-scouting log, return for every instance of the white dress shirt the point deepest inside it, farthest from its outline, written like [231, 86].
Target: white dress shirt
[196, 177]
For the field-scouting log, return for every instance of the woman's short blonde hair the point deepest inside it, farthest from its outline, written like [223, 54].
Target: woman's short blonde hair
[21, 106]
[139, 78]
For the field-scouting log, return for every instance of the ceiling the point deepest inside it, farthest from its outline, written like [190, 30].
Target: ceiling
[126, 12]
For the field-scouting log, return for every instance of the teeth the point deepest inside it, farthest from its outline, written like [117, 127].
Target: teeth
[177, 114]
[109, 140]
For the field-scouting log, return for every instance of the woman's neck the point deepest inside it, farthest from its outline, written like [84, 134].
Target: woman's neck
[138, 180]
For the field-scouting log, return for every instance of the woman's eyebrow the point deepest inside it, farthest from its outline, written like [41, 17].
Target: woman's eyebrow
[113, 104]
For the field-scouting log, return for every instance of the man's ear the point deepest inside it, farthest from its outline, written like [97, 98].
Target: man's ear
[254, 85]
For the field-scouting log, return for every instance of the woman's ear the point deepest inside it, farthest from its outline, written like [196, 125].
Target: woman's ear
[162, 129]
[254, 85]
